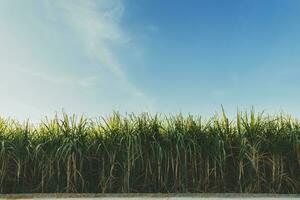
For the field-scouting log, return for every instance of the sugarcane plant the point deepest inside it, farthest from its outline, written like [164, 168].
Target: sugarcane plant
[144, 153]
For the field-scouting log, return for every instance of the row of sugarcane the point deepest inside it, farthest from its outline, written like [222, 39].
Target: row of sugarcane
[253, 153]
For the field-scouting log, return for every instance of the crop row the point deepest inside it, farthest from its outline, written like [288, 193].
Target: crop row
[144, 153]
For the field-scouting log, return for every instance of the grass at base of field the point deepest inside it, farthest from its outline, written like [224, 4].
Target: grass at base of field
[253, 153]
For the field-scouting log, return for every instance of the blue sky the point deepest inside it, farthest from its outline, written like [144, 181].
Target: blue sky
[96, 56]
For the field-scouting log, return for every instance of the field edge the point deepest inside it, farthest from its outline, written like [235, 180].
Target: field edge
[146, 195]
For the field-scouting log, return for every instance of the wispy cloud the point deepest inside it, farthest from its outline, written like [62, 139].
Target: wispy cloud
[68, 57]
[88, 81]
[97, 23]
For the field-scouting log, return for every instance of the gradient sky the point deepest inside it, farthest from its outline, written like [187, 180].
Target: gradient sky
[96, 56]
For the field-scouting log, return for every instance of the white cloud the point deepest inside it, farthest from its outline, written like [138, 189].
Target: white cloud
[65, 55]
[88, 81]
[97, 24]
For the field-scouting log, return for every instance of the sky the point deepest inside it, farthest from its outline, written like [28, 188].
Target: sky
[94, 57]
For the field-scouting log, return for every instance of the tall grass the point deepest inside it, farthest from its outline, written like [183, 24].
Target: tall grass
[144, 153]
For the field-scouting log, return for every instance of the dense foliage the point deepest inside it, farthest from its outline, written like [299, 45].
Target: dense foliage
[253, 153]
